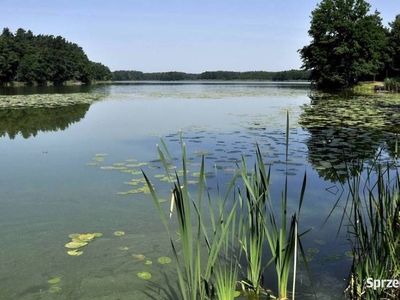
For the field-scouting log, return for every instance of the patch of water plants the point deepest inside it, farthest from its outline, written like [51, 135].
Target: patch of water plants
[241, 220]
[47, 100]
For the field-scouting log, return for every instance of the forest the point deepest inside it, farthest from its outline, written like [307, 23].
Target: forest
[44, 59]
[292, 75]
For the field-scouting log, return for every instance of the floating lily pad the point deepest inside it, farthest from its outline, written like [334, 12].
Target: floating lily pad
[139, 256]
[54, 280]
[148, 262]
[320, 241]
[350, 254]
[97, 234]
[123, 248]
[144, 275]
[75, 252]
[100, 154]
[119, 233]
[308, 257]
[86, 237]
[313, 251]
[75, 245]
[55, 289]
[164, 260]
[161, 200]
[333, 257]
[74, 235]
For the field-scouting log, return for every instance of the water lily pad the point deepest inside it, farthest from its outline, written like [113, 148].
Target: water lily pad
[123, 248]
[55, 289]
[100, 154]
[74, 235]
[119, 233]
[320, 241]
[97, 234]
[86, 237]
[148, 262]
[308, 257]
[54, 280]
[139, 256]
[164, 260]
[75, 252]
[144, 275]
[75, 245]
[333, 257]
[313, 251]
[350, 254]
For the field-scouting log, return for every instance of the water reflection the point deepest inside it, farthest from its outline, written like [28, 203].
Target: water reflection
[346, 131]
[28, 122]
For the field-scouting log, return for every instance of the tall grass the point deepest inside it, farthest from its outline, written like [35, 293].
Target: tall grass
[208, 259]
[374, 231]
[195, 268]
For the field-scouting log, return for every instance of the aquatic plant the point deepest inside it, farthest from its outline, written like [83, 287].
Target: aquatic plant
[241, 228]
[373, 213]
[194, 268]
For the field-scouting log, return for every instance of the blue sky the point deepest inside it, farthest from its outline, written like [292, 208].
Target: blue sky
[177, 35]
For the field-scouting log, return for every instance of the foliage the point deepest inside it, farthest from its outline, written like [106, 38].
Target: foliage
[213, 75]
[39, 59]
[238, 226]
[347, 43]
[374, 231]
[394, 45]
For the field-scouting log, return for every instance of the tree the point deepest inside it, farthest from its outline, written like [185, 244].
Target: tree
[347, 43]
[394, 45]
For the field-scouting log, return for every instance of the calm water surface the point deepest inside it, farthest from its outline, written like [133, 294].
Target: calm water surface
[49, 189]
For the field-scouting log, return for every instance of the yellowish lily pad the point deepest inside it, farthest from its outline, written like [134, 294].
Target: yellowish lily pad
[86, 237]
[148, 262]
[75, 245]
[144, 275]
[123, 248]
[75, 252]
[119, 233]
[74, 235]
[139, 256]
[97, 234]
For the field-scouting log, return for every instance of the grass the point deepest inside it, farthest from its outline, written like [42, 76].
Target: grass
[243, 224]
[374, 231]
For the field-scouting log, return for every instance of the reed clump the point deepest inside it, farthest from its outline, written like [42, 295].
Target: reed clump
[244, 237]
[374, 232]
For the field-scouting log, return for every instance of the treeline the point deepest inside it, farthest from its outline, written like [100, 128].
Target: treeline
[299, 75]
[42, 59]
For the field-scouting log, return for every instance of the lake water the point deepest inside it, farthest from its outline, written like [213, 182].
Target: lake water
[53, 185]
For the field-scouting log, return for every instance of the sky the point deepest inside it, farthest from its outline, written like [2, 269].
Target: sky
[190, 36]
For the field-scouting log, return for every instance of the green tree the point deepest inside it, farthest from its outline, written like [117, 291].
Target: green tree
[347, 43]
[394, 46]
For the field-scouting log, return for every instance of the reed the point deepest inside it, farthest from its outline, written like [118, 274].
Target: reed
[195, 268]
[374, 231]
[245, 227]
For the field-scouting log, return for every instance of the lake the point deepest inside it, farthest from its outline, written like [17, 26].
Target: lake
[65, 171]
